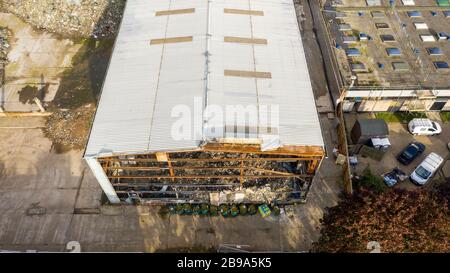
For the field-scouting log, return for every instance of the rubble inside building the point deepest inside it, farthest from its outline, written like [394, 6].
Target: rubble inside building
[211, 177]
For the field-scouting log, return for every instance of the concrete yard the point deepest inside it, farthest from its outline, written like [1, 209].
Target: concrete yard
[49, 199]
[37, 59]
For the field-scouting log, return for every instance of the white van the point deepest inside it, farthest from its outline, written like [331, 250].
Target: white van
[426, 169]
[424, 127]
[419, 25]
[427, 38]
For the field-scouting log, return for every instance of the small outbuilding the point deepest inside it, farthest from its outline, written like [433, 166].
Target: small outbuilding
[366, 129]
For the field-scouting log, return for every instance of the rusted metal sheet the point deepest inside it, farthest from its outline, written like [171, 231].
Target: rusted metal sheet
[171, 40]
[244, 12]
[229, 39]
[248, 74]
[174, 12]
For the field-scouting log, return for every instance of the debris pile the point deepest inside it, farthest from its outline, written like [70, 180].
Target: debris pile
[214, 169]
[70, 18]
[263, 194]
[5, 35]
[69, 129]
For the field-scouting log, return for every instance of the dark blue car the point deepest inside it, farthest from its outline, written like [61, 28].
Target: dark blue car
[411, 152]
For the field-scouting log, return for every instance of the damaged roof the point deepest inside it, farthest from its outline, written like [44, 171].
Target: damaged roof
[171, 56]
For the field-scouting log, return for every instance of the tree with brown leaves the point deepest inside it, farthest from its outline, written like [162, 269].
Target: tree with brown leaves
[400, 221]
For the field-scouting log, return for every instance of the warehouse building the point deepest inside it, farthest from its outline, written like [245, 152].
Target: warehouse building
[164, 131]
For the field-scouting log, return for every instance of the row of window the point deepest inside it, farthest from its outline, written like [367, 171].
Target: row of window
[381, 14]
[397, 66]
[424, 37]
[417, 14]
[433, 51]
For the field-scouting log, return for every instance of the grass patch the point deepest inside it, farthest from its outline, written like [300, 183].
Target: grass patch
[445, 116]
[403, 117]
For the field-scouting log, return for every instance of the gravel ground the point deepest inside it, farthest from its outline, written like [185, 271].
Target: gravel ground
[69, 129]
[5, 35]
[70, 18]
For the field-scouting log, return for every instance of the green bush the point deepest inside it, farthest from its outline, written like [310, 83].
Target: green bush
[234, 210]
[242, 209]
[224, 210]
[445, 116]
[252, 210]
[213, 210]
[372, 182]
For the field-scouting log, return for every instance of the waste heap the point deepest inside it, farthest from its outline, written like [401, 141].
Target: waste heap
[5, 36]
[70, 18]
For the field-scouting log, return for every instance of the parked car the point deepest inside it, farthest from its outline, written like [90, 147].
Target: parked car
[394, 176]
[411, 152]
[363, 36]
[422, 174]
[424, 127]
[442, 36]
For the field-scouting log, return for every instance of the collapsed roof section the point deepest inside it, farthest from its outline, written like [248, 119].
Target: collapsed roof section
[174, 55]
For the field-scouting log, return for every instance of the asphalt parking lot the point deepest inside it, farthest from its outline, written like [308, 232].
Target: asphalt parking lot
[400, 138]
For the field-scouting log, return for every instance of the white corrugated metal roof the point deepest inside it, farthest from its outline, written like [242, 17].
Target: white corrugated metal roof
[146, 81]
